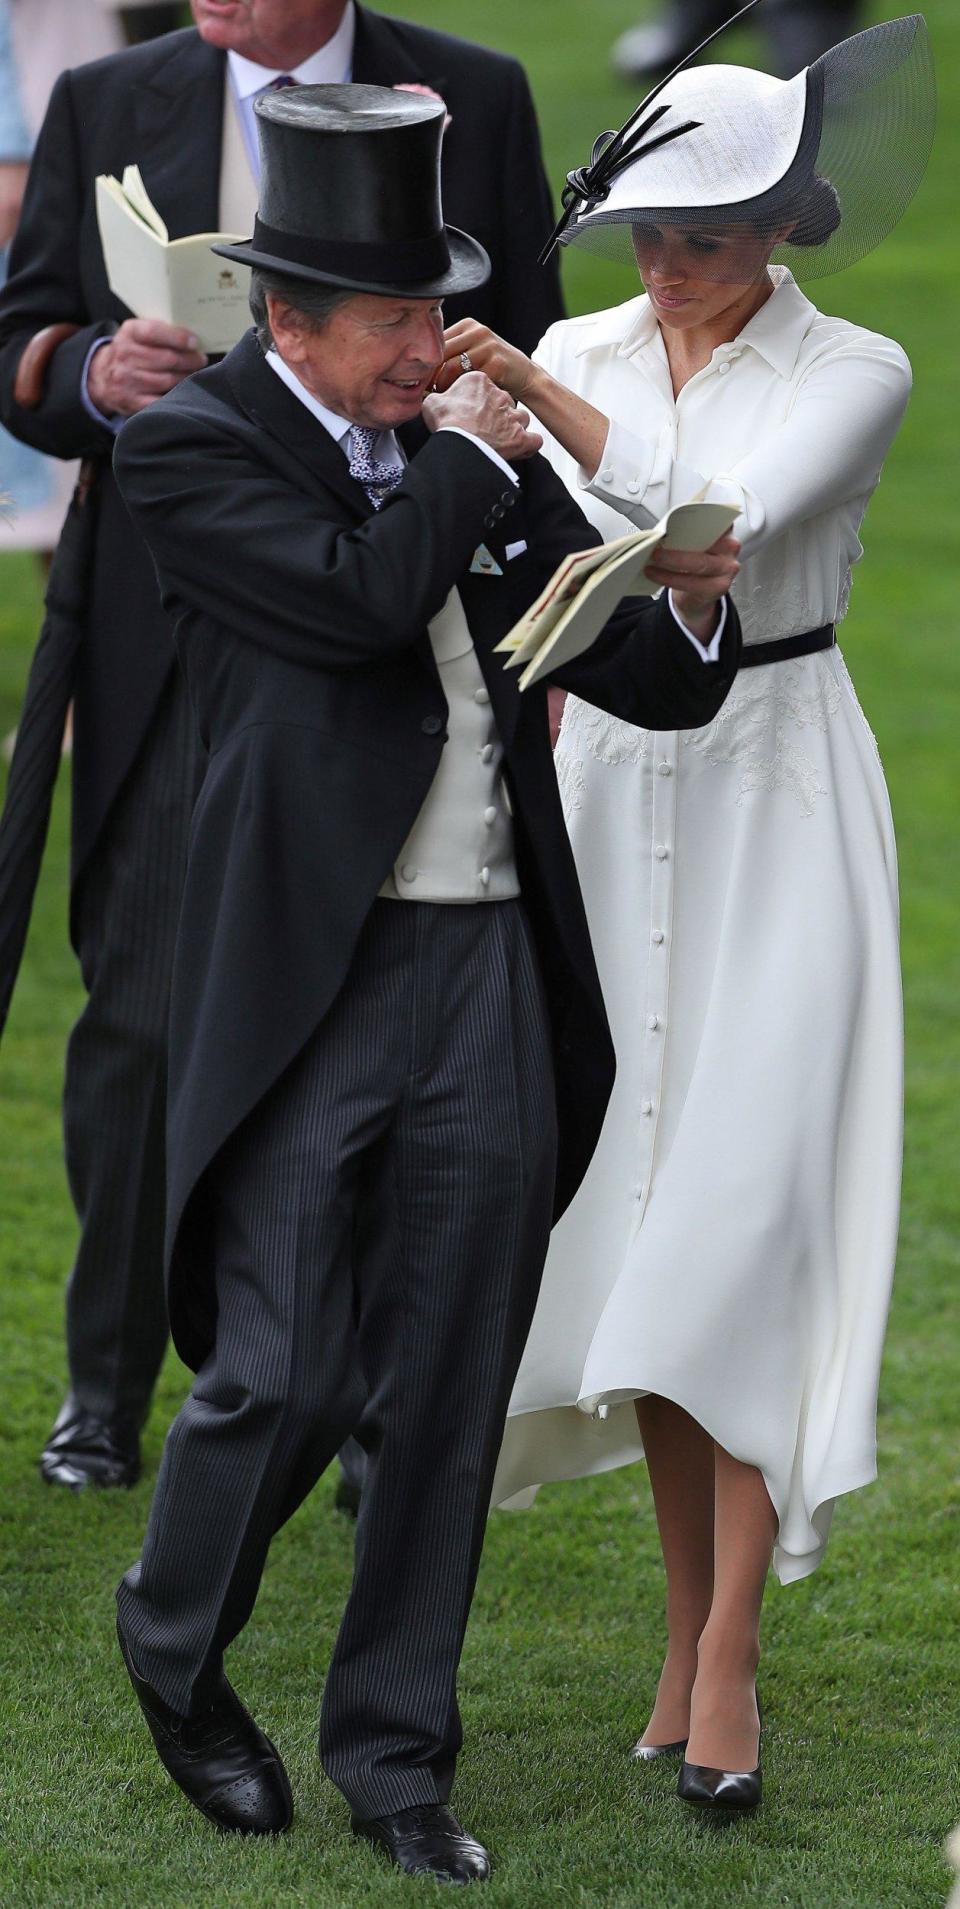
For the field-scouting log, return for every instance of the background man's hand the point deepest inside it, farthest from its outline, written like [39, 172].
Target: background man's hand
[476, 405]
[13, 180]
[698, 581]
[506, 366]
[144, 359]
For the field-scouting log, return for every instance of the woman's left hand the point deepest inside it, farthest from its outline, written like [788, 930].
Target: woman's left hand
[503, 364]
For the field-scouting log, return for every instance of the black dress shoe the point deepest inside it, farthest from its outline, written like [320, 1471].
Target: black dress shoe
[353, 1477]
[84, 1450]
[221, 1759]
[427, 1841]
[649, 1752]
[719, 1789]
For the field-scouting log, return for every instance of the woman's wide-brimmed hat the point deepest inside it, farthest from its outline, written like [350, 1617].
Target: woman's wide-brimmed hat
[350, 195]
[824, 164]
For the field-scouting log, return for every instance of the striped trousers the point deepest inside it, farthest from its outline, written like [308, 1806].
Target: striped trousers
[382, 1221]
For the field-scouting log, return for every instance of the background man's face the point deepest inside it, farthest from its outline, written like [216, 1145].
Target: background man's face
[272, 32]
[373, 361]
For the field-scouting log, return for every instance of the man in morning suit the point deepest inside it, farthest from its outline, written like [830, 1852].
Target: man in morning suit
[182, 109]
[389, 1057]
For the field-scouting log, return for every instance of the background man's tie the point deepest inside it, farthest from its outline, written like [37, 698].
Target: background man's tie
[378, 479]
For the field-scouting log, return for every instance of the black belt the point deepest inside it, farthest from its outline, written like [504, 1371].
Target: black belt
[784, 647]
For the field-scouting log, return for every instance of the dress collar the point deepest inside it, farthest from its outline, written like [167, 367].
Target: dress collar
[330, 65]
[776, 332]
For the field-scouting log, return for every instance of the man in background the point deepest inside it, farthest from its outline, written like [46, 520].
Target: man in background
[182, 109]
[798, 32]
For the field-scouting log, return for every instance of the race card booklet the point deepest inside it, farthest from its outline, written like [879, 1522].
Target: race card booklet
[180, 280]
[583, 593]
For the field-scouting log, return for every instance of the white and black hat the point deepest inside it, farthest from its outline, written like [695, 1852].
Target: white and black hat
[830, 160]
[350, 194]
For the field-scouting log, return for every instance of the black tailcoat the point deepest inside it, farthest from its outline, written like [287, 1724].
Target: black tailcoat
[301, 621]
[160, 105]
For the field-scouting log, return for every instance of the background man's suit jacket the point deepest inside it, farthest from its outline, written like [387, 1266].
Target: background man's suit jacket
[161, 105]
[301, 620]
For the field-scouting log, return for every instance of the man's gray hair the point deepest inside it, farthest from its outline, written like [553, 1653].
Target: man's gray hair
[316, 302]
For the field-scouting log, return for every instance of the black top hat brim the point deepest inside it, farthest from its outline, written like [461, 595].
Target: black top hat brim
[469, 267]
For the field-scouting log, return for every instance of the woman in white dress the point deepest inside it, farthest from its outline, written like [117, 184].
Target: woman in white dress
[716, 1296]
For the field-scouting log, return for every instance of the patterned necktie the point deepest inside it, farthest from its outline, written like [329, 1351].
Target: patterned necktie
[282, 79]
[378, 479]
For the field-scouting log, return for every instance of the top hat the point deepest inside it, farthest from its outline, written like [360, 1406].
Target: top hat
[350, 195]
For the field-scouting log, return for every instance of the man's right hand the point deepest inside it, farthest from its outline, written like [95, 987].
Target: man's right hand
[145, 358]
[475, 405]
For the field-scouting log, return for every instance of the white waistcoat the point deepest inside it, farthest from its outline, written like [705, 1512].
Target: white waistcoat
[460, 848]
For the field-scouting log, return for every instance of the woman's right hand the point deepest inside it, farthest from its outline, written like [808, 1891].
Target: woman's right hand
[502, 363]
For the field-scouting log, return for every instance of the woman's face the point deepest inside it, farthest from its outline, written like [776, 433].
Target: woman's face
[695, 277]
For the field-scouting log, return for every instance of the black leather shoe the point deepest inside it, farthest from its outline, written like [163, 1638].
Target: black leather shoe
[353, 1476]
[649, 1752]
[720, 1789]
[221, 1759]
[83, 1450]
[427, 1841]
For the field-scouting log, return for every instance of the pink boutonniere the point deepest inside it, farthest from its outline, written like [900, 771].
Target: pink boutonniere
[426, 92]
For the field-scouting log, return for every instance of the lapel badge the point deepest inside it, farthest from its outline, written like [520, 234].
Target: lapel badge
[484, 564]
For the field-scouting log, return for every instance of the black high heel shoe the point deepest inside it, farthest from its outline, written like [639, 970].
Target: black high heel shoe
[651, 1752]
[722, 1789]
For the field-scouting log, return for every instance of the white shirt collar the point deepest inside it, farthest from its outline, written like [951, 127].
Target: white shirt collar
[331, 65]
[776, 332]
[339, 428]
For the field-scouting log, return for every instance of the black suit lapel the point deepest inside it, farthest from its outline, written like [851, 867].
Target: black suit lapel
[277, 410]
[181, 170]
[381, 56]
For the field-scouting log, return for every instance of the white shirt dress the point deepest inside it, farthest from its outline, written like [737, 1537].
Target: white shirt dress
[732, 1246]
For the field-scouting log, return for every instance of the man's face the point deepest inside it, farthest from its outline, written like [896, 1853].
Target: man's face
[275, 33]
[373, 361]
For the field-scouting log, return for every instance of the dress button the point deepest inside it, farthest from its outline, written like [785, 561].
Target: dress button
[646, 1106]
[664, 769]
[485, 877]
[409, 872]
[607, 475]
[657, 937]
[722, 369]
[661, 852]
[490, 816]
[486, 753]
[481, 695]
[634, 487]
[432, 725]
[653, 1022]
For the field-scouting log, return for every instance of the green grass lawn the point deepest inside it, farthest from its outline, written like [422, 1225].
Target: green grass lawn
[860, 1678]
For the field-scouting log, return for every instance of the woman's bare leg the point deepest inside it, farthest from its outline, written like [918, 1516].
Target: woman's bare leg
[681, 1465]
[724, 1725]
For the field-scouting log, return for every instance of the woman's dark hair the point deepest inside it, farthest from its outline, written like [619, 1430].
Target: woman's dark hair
[819, 214]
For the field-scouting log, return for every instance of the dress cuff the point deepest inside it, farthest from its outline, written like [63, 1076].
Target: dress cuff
[709, 652]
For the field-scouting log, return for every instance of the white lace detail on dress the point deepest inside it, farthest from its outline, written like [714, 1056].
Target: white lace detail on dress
[608, 738]
[753, 730]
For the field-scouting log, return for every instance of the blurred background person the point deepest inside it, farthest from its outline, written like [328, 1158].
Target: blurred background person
[182, 108]
[38, 38]
[797, 33]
